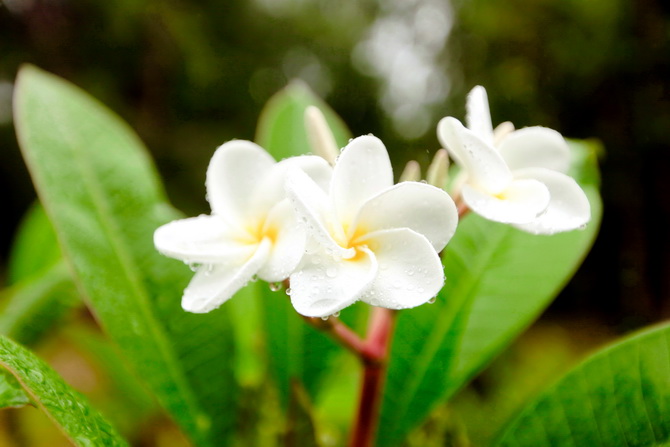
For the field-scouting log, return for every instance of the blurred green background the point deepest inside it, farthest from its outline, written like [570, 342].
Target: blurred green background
[189, 76]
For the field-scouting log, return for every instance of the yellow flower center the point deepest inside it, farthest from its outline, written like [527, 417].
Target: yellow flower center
[257, 230]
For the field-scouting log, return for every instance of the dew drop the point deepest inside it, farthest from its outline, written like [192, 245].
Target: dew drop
[194, 266]
[336, 314]
[274, 286]
[325, 318]
[254, 278]
[288, 291]
[37, 376]
[331, 272]
[432, 300]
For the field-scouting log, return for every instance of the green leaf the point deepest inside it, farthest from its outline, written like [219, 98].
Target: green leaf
[42, 293]
[281, 126]
[35, 235]
[300, 432]
[618, 397]
[34, 305]
[83, 425]
[103, 196]
[499, 279]
[296, 350]
[121, 396]
[11, 393]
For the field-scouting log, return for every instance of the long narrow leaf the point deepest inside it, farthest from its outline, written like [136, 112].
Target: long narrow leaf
[103, 196]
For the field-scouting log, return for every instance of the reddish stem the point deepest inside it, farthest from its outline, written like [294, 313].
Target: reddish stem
[374, 355]
[373, 352]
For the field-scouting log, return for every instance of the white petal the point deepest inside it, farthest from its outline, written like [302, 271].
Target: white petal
[288, 243]
[272, 188]
[485, 167]
[522, 202]
[423, 208]
[568, 209]
[313, 207]
[233, 173]
[213, 285]
[362, 171]
[478, 115]
[410, 271]
[203, 239]
[535, 147]
[324, 285]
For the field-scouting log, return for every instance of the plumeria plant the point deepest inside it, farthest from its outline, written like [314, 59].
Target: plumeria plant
[339, 304]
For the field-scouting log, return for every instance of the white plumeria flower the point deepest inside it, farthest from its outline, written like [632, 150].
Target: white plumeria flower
[514, 176]
[370, 240]
[252, 230]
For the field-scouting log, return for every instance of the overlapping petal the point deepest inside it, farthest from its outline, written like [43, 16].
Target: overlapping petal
[270, 190]
[417, 206]
[485, 167]
[288, 243]
[324, 285]
[215, 284]
[568, 209]
[203, 239]
[522, 202]
[362, 171]
[410, 272]
[315, 209]
[235, 169]
[535, 147]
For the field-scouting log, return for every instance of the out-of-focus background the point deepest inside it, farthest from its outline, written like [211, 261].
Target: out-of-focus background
[190, 75]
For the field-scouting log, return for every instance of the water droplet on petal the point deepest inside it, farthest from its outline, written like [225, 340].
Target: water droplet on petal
[432, 300]
[336, 314]
[288, 291]
[274, 286]
[325, 318]
[254, 278]
[331, 272]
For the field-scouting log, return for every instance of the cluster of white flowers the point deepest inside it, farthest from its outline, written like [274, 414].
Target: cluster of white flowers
[346, 232]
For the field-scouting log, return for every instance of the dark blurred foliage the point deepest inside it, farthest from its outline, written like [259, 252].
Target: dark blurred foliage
[191, 75]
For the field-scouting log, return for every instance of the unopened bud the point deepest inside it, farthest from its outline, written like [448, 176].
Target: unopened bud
[501, 131]
[438, 169]
[412, 172]
[319, 135]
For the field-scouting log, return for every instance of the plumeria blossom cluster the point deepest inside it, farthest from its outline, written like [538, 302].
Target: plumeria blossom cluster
[513, 176]
[339, 229]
